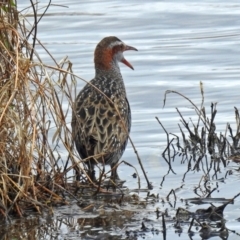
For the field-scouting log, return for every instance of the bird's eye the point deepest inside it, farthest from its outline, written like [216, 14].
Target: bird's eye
[118, 48]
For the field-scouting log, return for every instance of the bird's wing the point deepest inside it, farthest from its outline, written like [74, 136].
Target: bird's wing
[97, 126]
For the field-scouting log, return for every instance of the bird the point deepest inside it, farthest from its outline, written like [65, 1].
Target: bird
[101, 116]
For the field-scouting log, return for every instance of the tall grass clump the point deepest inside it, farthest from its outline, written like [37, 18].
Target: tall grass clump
[33, 130]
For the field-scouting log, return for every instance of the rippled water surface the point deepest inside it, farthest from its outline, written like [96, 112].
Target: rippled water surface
[180, 43]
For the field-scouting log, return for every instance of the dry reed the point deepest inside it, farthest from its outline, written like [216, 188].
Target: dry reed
[33, 130]
[200, 138]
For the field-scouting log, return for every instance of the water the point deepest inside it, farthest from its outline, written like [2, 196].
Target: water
[180, 43]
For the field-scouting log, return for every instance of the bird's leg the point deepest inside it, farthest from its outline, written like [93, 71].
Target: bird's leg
[114, 174]
[91, 171]
[78, 173]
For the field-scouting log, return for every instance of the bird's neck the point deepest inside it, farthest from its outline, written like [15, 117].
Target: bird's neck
[110, 81]
[112, 72]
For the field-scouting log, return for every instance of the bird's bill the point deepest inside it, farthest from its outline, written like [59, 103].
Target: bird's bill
[127, 63]
[129, 48]
[124, 60]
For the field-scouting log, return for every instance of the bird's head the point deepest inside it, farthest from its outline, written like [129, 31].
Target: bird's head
[109, 52]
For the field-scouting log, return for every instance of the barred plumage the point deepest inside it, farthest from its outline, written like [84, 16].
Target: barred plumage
[101, 119]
